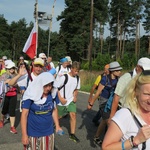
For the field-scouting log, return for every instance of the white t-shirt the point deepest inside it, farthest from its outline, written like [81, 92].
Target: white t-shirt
[128, 125]
[52, 65]
[70, 86]
[22, 81]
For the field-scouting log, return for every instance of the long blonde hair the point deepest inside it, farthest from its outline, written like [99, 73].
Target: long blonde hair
[131, 99]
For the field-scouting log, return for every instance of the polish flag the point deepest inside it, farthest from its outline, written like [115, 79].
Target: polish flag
[31, 43]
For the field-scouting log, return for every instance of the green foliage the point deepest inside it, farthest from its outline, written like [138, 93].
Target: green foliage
[102, 60]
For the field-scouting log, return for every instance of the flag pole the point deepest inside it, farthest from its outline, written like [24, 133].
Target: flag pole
[36, 24]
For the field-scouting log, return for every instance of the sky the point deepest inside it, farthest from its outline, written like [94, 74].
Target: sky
[14, 10]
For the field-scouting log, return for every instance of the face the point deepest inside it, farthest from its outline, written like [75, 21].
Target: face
[106, 71]
[37, 69]
[47, 88]
[65, 64]
[143, 97]
[44, 59]
[117, 73]
[74, 71]
[139, 69]
[12, 70]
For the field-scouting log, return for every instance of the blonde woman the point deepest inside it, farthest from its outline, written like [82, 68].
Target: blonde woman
[130, 128]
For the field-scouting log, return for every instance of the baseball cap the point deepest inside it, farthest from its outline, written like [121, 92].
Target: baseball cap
[42, 55]
[114, 66]
[39, 61]
[7, 62]
[21, 57]
[144, 62]
[10, 65]
[63, 60]
[69, 58]
[4, 57]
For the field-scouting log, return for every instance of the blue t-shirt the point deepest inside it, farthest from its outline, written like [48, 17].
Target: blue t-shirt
[109, 84]
[40, 121]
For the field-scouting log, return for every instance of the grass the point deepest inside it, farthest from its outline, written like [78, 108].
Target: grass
[87, 79]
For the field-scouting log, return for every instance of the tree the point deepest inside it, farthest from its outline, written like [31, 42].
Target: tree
[4, 35]
[146, 23]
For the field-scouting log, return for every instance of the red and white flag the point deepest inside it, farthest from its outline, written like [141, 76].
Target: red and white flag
[31, 43]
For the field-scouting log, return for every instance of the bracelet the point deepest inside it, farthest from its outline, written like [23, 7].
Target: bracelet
[90, 104]
[123, 145]
[133, 143]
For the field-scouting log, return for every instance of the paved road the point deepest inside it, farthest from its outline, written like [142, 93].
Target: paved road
[85, 130]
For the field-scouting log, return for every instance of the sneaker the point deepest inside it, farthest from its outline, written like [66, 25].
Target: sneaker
[1, 123]
[74, 138]
[97, 141]
[13, 130]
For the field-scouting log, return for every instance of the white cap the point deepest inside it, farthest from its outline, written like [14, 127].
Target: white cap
[144, 62]
[10, 65]
[69, 58]
[42, 55]
[7, 62]
[4, 57]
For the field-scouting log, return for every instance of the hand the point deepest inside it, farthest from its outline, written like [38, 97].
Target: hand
[63, 102]
[143, 135]
[89, 106]
[58, 129]
[75, 100]
[25, 140]
[22, 70]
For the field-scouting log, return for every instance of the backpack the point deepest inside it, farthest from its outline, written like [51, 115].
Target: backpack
[110, 99]
[65, 82]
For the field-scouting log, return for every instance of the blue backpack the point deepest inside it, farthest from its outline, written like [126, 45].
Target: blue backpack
[109, 102]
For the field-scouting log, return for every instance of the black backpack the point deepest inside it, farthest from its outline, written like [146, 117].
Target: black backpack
[65, 82]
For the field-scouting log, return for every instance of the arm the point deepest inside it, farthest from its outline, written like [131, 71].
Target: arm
[24, 116]
[113, 142]
[114, 106]
[91, 92]
[75, 93]
[55, 118]
[62, 100]
[22, 71]
[98, 92]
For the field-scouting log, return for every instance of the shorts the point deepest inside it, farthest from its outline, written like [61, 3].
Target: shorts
[105, 115]
[45, 142]
[64, 110]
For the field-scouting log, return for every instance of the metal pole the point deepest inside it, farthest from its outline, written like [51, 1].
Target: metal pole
[49, 36]
[50, 28]
[36, 22]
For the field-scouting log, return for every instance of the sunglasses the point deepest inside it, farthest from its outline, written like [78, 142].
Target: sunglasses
[12, 68]
[145, 72]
